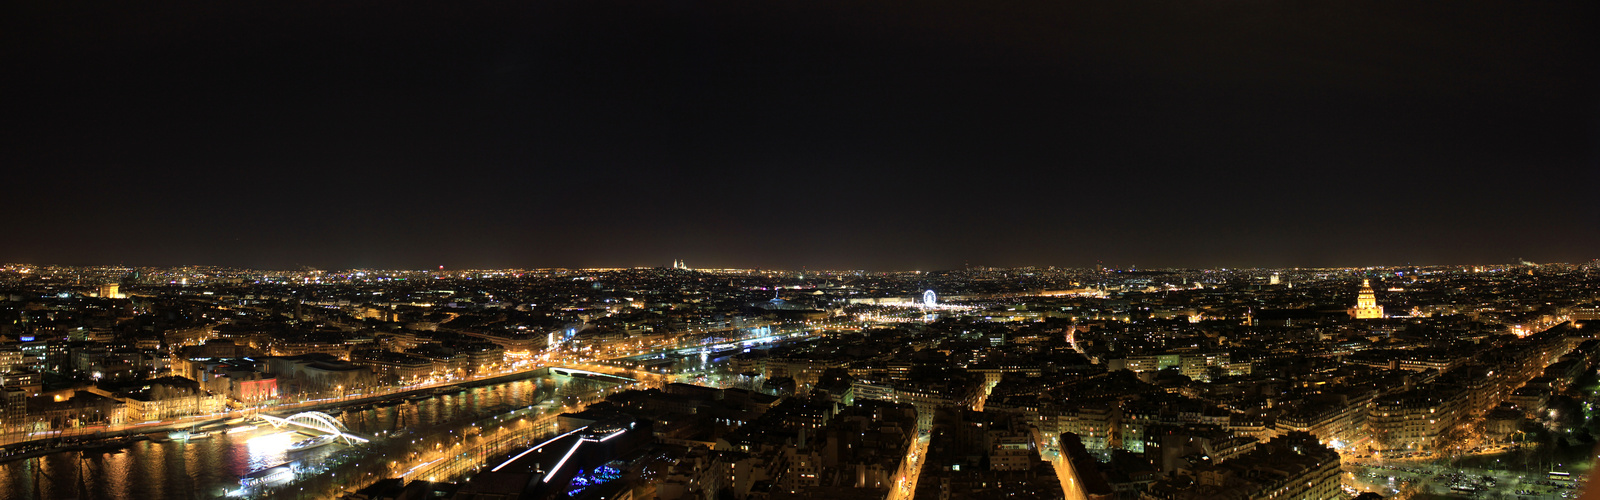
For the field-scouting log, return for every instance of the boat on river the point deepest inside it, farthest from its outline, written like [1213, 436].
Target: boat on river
[315, 442]
[276, 474]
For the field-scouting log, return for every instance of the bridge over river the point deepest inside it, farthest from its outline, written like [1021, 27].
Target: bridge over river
[213, 466]
[315, 421]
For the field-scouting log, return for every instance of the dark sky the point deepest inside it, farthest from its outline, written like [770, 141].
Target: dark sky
[780, 134]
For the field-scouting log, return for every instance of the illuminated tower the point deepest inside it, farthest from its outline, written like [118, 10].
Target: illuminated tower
[1366, 303]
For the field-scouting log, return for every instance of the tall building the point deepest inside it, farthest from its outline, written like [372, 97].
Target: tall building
[1366, 303]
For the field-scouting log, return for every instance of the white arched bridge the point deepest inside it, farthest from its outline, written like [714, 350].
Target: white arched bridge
[315, 421]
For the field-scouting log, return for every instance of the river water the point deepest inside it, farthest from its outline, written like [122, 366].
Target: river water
[211, 467]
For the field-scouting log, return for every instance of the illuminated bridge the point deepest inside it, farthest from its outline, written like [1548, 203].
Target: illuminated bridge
[315, 421]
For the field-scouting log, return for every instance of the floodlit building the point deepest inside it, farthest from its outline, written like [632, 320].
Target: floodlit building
[1366, 303]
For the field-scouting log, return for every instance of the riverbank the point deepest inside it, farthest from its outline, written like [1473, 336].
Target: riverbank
[113, 439]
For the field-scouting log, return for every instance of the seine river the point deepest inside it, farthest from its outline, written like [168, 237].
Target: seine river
[211, 467]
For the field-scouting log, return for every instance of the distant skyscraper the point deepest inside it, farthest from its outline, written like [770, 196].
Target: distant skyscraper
[1366, 303]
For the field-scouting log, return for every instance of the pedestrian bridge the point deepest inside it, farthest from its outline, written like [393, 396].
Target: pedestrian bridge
[315, 421]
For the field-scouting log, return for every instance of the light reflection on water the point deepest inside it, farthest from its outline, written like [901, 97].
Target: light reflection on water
[268, 450]
[207, 468]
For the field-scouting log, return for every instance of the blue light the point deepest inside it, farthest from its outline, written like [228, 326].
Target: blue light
[600, 475]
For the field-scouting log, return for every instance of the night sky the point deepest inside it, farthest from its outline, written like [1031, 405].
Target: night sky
[859, 134]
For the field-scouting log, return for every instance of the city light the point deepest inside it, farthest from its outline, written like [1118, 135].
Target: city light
[1377, 397]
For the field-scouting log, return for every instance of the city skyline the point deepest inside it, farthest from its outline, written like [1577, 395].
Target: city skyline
[682, 264]
[676, 383]
[800, 249]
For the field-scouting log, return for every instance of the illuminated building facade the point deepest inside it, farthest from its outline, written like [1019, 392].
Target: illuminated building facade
[1366, 303]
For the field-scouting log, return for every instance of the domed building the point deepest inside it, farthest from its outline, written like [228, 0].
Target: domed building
[1366, 303]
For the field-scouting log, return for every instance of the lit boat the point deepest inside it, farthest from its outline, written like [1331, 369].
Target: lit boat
[199, 435]
[313, 442]
[275, 474]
